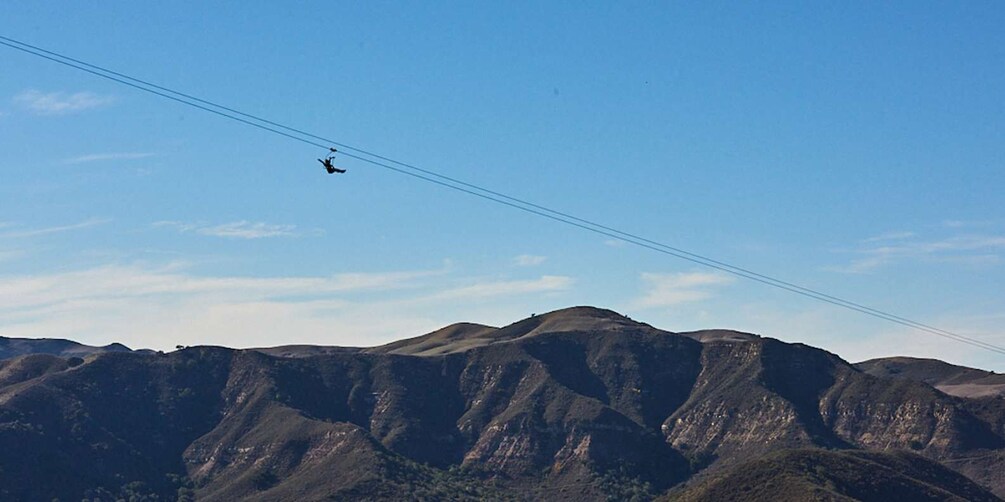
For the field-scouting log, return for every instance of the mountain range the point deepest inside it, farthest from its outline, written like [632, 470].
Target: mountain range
[582, 403]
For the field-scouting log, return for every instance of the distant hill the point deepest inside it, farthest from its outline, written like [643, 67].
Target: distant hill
[305, 350]
[579, 404]
[951, 379]
[13, 347]
[465, 336]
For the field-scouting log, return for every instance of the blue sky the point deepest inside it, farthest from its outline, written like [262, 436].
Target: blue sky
[853, 148]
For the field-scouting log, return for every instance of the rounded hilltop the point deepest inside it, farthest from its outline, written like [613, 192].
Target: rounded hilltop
[465, 336]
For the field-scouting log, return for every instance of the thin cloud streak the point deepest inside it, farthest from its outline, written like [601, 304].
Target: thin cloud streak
[10, 254]
[890, 236]
[54, 230]
[546, 283]
[146, 306]
[965, 223]
[248, 230]
[664, 290]
[235, 230]
[97, 157]
[963, 249]
[527, 260]
[60, 103]
[117, 282]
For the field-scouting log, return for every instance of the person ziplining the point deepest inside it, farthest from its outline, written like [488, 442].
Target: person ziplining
[327, 162]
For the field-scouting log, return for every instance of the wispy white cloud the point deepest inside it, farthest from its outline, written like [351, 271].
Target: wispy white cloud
[160, 306]
[111, 282]
[962, 243]
[527, 260]
[615, 243]
[487, 289]
[10, 254]
[235, 230]
[52, 230]
[96, 157]
[860, 265]
[249, 230]
[663, 290]
[963, 249]
[58, 103]
[973, 260]
[177, 225]
[890, 236]
[965, 223]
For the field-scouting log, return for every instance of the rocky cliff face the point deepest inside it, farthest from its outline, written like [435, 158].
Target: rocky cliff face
[581, 403]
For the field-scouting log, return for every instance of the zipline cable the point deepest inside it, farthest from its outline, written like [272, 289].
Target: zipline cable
[472, 189]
